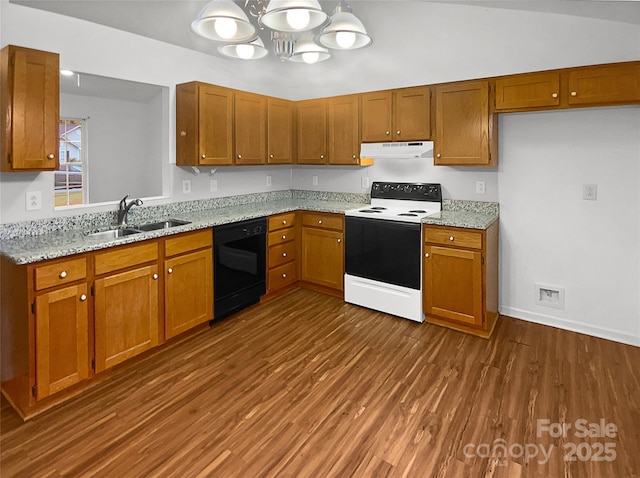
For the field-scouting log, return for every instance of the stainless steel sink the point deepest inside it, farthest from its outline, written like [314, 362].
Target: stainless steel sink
[168, 224]
[114, 233]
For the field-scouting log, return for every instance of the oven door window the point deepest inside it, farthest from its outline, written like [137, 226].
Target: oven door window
[384, 251]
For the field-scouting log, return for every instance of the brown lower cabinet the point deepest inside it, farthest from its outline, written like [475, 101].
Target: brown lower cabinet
[322, 250]
[282, 248]
[65, 321]
[460, 278]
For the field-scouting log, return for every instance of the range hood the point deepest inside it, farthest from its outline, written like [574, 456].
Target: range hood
[405, 150]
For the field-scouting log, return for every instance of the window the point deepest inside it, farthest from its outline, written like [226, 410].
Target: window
[69, 180]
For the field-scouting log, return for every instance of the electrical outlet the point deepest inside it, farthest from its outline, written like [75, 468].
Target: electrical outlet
[549, 296]
[268, 181]
[186, 186]
[364, 182]
[314, 180]
[213, 185]
[33, 200]
[590, 192]
[480, 187]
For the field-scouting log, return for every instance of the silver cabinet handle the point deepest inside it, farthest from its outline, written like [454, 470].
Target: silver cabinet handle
[574, 93]
[52, 156]
[239, 156]
[284, 254]
[451, 238]
[183, 133]
[271, 156]
[320, 221]
[387, 133]
[284, 237]
[284, 276]
[170, 270]
[339, 241]
[354, 156]
[83, 297]
[398, 132]
[284, 222]
[426, 255]
[63, 274]
[554, 95]
[155, 276]
[322, 156]
[438, 155]
[204, 156]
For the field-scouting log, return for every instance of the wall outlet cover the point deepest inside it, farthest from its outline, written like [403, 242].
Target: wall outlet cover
[480, 187]
[364, 182]
[268, 181]
[314, 180]
[590, 192]
[549, 296]
[186, 186]
[33, 200]
[213, 185]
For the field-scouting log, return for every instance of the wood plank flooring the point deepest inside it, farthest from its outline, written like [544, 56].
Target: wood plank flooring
[308, 386]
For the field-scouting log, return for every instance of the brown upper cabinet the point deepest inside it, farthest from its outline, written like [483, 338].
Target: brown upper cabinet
[30, 104]
[344, 129]
[312, 131]
[251, 128]
[204, 125]
[280, 115]
[604, 84]
[599, 85]
[465, 128]
[396, 115]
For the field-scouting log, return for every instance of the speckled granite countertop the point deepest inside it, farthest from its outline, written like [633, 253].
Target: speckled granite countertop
[73, 239]
[26, 250]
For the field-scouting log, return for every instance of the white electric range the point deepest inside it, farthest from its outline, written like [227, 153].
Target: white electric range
[383, 244]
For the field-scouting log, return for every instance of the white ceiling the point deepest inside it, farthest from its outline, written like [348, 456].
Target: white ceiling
[169, 20]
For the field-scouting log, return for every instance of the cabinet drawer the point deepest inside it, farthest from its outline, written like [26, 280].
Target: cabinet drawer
[282, 275]
[453, 237]
[322, 220]
[51, 275]
[283, 235]
[125, 256]
[281, 221]
[189, 241]
[282, 253]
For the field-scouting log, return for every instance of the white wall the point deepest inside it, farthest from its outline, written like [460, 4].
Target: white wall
[550, 235]
[122, 154]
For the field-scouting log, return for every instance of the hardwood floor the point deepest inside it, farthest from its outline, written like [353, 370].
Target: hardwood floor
[308, 386]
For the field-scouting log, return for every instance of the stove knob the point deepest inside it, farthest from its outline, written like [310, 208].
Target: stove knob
[407, 188]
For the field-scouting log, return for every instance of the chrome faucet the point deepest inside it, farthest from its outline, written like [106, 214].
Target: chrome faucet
[123, 209]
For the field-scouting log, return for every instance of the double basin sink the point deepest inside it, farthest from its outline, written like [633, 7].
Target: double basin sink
[128, 231]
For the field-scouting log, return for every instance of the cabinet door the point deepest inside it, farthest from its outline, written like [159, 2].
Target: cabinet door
[126, 315]
[533, 90]
[215, 125]
[279, 131]
[188, 291]
[312, 131]
[62, 339]
[344, 130]
[251, 128]
[322, 257]
[453, 284]
[463, 126]
[609, 84]
[376, 113]
[412, 114]
[30, 110]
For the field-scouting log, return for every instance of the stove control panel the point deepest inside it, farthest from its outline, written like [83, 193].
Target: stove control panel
[410, 191]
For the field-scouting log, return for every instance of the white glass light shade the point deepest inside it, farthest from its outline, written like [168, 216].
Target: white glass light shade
[308, 51]
[245, 51]
[345, 32]
[293, 15]
[223, 20]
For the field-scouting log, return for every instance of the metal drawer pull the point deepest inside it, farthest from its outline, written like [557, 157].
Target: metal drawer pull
[271, 156]
[354, 156]
[63, 274]
[320, 221]
[554, 95]
[426, 255]
[155, 276]
[339, 240]
[284, 222]
[573, 93]
[284, 254]
[438, 155]
[183, 133]
[398, 132]
[284, 276]
[51, 156]
[451, 238]
[170, 270]
[239, 156]
[386, 132]
[284, 237]
[322, 156]
[204, 156]
[83, 297]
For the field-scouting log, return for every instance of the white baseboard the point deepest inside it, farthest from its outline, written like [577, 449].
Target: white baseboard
[565, 324]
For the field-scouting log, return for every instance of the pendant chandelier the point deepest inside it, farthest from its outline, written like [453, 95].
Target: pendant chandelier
[291, 23]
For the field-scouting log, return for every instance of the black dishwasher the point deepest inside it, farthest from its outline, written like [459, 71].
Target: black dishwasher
[239, 257]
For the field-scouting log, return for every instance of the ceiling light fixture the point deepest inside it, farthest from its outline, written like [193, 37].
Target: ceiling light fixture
[291, 23]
